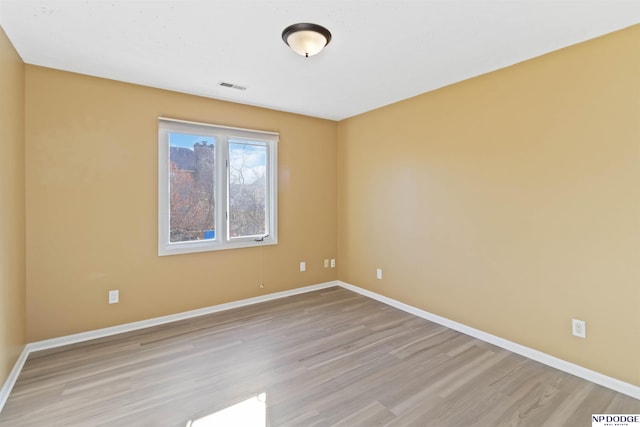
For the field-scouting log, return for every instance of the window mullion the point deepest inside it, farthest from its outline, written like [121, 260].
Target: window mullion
[221, 189]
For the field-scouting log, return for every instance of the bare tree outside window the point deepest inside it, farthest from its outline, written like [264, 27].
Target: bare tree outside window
[192, 184]
[247, 189]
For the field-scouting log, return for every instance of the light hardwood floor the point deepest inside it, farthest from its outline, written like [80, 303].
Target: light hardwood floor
[328, 357]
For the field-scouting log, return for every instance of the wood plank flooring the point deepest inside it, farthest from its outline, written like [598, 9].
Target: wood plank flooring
[325, 358]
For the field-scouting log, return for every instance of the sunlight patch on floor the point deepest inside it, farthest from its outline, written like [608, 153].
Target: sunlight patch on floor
[248, 413]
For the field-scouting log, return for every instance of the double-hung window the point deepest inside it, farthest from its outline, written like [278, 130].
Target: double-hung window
[217, 187]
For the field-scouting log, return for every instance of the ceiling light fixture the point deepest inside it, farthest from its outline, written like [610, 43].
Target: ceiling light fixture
[306, 39]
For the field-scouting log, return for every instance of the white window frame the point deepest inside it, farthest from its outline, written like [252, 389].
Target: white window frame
[222, 134]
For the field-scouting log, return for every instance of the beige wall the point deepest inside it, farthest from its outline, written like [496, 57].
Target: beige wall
[509, 202]
[12, 220]
[91, 148]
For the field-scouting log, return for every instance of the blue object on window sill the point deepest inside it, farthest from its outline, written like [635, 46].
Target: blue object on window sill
[209, 234]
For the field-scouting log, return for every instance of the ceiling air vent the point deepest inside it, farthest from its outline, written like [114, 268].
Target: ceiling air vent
[232, 86]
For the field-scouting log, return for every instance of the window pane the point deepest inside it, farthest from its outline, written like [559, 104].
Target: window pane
[247, 188]
[191, 187]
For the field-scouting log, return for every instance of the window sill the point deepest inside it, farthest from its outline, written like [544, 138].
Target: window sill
[208, 246]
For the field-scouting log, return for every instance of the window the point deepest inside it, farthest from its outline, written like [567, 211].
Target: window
[217, 187]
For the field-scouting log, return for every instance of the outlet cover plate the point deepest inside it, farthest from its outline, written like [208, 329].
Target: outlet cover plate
[114, 297]
[579, 328]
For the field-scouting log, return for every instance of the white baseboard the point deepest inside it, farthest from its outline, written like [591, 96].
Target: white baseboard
[13, 377]
[538, 356]
[134, 326]
[156, 321]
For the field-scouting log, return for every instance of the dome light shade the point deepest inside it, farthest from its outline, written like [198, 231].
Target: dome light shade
[306, 39]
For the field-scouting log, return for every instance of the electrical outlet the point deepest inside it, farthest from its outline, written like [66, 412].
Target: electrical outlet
[326, 263]
[333, 263]
[303, 266]
[114, 297]
[379, 274]
[579, 328]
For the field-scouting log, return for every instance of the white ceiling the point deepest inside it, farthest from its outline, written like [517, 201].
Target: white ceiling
[381, 52]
